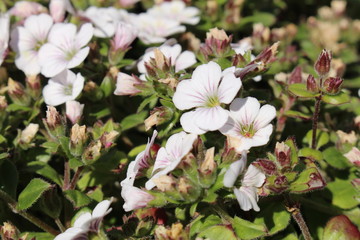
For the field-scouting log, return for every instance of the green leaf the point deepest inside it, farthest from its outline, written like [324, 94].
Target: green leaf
[218, 232]
[97, 194]
[343, 194]
[135, 151]
[267, 19]
[335, 158]
[52, 147]
[322, 138]
[133, 120]
[299, 90]
[77, 198]
[200, 224]
[44, 170]
[248, 230]
[38, 235]
[296, 114]
[338, 99]
[32, 193]
[274, 216]
[75, 163]
[147, 101]
[310, 154]
[180, 213]
[307, 181]
[8, 178]
[15, 107]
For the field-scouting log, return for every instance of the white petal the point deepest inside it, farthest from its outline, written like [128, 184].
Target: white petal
[180, 144]
[78, 58]
[266, 114]
[39, 26]
[73, 233]
[210, 119]
[247, 198]
[84, 35]
[228, 88]
[262, 136]
[207, 78]
[28, 62]
[234, 170]
[185, 60]
[78, 85]
[245, 110]
[188, 124]
[187, 95]
[63, 35]
[54, 94]
[83, 221]
[101, 209]
[134, 198]
[52, 60]
[253, 177]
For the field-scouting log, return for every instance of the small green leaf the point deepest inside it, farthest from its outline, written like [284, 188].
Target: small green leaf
[180, 213]
[32, 193]
[343, 193]
[77, 198]
[308, 180]
[52, 147]
[335, 159]
[296, 114]
[133, 120]
[135, 151]
[299, 90]
[218, 232]
[15, 107]
[146, 101]
[267, 19]
[310, 154]
[338, 99]
[107, 86]
[248, 230]
[322, 138]
[38, 235]
[8, 177]
[44, 170]
[74, 163]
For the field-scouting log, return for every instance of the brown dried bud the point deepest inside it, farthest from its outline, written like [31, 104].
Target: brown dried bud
[165, 183]
[9, 231]
[92, 152]
[158, 116]
[208, 165]
[109, 138]
[332, 85]
[17, 93]
[322, 65]
[3, 103]
[53, 118]
[311, 84]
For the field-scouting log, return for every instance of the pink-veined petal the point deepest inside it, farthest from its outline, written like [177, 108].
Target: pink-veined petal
[54, 94]
[84, 35]
[134, 198]
[262, 136]
[180, 144]
[207, 78]
[62, 35]
[73, 233]
[83, 221]
[253, 177]
[245, 110]
[228, 88]
[78, 58]
[188, 124]
[186, 59]
[52, 60]
[188, 96]
[266, 114]
[39, 26]
[234, 170]
[210, 119]
[247, 198]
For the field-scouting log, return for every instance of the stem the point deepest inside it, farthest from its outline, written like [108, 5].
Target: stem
[294, 209]
[66, 175]
[224, 215]
[76, 178]
[60, 225]
[315, 121]
[36, 221]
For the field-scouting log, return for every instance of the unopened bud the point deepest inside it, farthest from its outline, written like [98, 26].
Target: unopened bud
[268, 54]
[323, 63]
[158, 116]
[165, 183]
[184, 186]
[78, 138]
[9, 231]
[311, 84]
[29, 133]
[108, 138]
[332, 85]
[347, 137]
[354, 156]
[283, 155]
[3, 103]
[93, 91]
[161, 62]
[17, 93]
[208, 168]
[92, 152]
[217, 43]
[54, 122]
[34, 86]
[74, 111]
[295, 76]
[266, 165]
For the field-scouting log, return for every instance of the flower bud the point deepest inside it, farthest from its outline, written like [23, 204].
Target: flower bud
[208, 169]
[34, 86]
[187, 189]
[158, 116]
[3, 103]
[28, 133]
[267, 56]
[127, 85]
[323, 63]
[17, 93]
[266, 165]
[332, 85]
[217, 44]
[347, 137]
[175, 232]
[74, 111]
[78, 138]
[354, 156]
[283, 155]
[165, 183]
[93, 91]
[57, 10]
[54, 122]
[92, 152]
[120, 44]
[340, 227]
[230, 154]
[9, 232]
[311, 84]
[295, 76]
[108, 138]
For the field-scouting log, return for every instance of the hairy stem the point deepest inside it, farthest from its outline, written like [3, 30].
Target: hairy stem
[76, 178]
[36, 221]
[294, 209]
[66, 175]
[60, 225]
[315, 121]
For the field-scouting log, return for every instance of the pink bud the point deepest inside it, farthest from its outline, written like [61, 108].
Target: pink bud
[57, 10]
[74, 111]
[354, 156]
[125, 84]
[134, 197]
[322, 65]
[24, 9]
[295, 76]
[332, 85]
[125, 34]
[127, 3]
[311, 84]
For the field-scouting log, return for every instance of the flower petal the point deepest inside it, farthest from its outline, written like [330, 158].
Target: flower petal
[210, 119]
[228, 88]
[253, 177]
[188, 96]
[234, 170]
[84, 35]
[266, 114]
[247, 198]
[262, 136]
[186, 59]
[102, 209]
[245, 110]
[188, 124]
[207, 78]
[39, 26]
[78, 58]
[52, 60]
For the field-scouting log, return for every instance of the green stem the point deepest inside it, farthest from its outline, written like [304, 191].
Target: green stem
[60, 225]
[36, 221]
[76, 178]
[224, 215]
[315, 121]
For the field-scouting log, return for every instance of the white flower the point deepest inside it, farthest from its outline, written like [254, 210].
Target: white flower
[24, 9]
[154, 29]
[168, 157]
[235, 169]
[125, 85]
[74, 111]
[63, 87]
[28, 39]
[140, 162]
[180, 60]
[134, 197]
[125, 34]
[248, 123]
[247, 194]
[4, 35]
[87, 222]
[105, 20]
[205, 91]
[65, 48]
[176, 10]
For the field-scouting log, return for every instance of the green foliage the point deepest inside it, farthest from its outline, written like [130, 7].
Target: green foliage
[32, 193]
